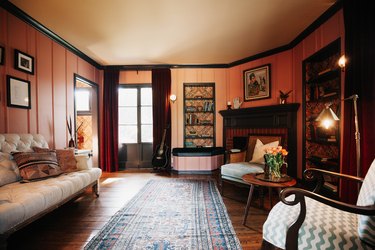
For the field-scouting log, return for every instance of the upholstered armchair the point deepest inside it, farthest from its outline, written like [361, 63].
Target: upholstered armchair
[307, 220]
[247, 161]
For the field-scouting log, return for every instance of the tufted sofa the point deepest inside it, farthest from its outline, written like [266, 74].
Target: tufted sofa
[23, 202]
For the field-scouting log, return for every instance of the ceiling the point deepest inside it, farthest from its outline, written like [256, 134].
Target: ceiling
[176, 32]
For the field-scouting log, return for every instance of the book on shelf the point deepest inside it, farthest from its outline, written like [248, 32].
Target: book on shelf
[329, 94]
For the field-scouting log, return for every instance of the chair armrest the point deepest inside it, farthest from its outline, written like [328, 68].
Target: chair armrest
[236, 157]
[84, 162]
[315, 174]
[299, 197]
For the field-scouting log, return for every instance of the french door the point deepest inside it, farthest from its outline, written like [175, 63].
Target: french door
[135, 126]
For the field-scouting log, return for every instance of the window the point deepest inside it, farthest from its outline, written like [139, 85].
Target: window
[135, 114]
[83, 100]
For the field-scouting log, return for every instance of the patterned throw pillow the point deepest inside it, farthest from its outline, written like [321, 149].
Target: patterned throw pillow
[33, 165]
[66, 160]
[259, 151]
[366, 197]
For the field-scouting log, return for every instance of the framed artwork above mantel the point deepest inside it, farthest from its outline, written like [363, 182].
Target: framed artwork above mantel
[257, 83]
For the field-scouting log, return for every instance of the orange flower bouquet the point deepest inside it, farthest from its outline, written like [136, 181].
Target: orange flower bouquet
[275, 159]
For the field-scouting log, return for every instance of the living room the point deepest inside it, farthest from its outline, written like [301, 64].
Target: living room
[52, 81]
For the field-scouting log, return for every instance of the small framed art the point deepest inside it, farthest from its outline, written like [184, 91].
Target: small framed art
[18, 93]
[23, 62]
[257, 83]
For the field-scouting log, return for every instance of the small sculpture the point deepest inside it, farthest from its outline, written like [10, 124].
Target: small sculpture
[284, 96]
[237, 103]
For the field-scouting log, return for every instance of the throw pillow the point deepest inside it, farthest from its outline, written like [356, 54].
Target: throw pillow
[259, 151]
[33, 165]
[66, 159]
[8, 170]
[42, 150]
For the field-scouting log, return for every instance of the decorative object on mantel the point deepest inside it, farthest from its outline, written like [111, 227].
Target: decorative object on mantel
[237, 103]
[229, 105]
[275, 159]
[284, 96]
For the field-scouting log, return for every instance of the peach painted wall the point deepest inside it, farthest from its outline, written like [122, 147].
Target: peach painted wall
[52, 85]
[286, 72]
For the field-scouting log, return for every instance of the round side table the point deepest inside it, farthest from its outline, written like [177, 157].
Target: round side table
[253, 181]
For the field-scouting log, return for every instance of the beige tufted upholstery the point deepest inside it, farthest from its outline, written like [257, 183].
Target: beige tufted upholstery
[21, 142]
[21, 202]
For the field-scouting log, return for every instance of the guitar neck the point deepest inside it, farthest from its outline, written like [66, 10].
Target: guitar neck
[163, 138]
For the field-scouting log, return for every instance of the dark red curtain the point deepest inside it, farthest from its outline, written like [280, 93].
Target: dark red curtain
[161, 90]
[359, 21]
[109, 140]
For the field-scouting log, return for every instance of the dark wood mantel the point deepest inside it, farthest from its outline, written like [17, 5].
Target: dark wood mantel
[282, 116]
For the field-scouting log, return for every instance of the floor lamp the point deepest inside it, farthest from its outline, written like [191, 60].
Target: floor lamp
[327, 116]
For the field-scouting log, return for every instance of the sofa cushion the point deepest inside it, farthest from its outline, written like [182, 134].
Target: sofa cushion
[260, 150]
[366, 197]
[66, 159]
[21, 201]
[235, 171]
[8, 170]
[33, 165]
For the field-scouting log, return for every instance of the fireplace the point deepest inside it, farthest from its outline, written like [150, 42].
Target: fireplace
[274, 119]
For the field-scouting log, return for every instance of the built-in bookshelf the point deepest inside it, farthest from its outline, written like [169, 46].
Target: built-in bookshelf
[199, 113]
[322, 87]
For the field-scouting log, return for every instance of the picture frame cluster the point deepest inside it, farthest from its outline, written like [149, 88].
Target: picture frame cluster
[18, 90]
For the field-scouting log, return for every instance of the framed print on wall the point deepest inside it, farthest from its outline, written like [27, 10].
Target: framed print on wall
[18, 93]
[2, 52]
[257, 83]
[23, 62]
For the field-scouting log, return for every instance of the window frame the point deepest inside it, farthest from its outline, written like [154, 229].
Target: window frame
[139, 106]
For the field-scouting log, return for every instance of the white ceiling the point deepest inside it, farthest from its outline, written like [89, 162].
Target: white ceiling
[147, 32]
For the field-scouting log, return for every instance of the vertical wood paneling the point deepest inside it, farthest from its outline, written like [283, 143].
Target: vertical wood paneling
[45, 90]
[31, 50]
[17, 119]
[52, 96]
[85, 70]
[3, 39]
[59, 96]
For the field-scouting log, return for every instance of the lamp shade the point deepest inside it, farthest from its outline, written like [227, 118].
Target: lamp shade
[327, 117]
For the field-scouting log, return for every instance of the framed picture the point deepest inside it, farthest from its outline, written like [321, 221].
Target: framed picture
[18, 93]
[2, 52]
[257, 83]
[23, 62]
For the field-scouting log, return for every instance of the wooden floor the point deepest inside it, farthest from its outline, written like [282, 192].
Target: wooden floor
[74, 224]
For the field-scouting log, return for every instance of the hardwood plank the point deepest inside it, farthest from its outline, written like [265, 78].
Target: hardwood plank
[74, 224]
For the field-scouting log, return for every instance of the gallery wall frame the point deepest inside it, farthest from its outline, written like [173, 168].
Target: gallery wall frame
[257, 83]
[2, 55]
[18, 93]
[23, 62]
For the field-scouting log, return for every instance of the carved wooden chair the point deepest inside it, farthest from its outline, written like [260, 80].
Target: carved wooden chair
[306, 220]
[241, 163]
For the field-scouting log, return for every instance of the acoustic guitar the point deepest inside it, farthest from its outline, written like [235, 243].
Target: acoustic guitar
[160, 157]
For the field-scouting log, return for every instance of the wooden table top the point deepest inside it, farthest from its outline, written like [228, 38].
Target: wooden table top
[251, 179]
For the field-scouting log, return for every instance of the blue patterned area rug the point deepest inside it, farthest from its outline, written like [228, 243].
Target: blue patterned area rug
[170, 214]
